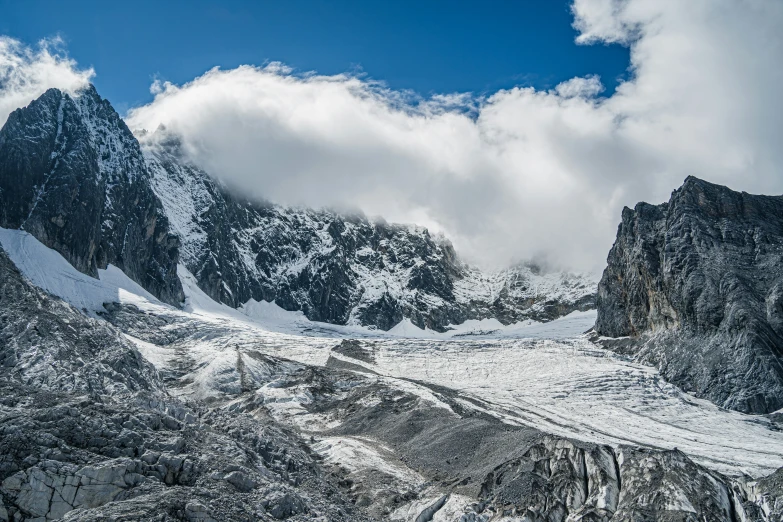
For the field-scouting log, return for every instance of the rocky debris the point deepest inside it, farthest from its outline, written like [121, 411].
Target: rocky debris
[45, 342]
[73, 175]
[284, 505]
[695, 284]
[337, 268]
[125, 450]
[503, 472]
[88, 432]
[355, 350]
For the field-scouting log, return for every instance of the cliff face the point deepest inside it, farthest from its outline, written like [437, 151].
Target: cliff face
[697, 284]
[73, 175]
[338, 268]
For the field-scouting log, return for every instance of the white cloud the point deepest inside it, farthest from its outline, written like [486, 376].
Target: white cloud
[26, 73]
[587, 87]
[520, 173]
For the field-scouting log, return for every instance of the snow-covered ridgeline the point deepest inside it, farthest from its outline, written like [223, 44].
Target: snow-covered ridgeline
[342, 269]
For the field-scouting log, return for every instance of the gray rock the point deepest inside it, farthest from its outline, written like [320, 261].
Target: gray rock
[696, 283]
[282, 505]
[197, 512]
[240, 481]
[73, 175]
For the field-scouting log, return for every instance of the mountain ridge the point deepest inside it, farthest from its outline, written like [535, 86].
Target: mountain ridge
[85, 186]
[72, 174]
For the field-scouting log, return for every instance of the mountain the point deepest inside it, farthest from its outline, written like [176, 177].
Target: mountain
[336, 268]
[138, 391]
[696, 284]
[73, 175]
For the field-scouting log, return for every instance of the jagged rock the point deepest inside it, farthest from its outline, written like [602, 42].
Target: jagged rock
[338, 268]
[696, 283]
[284, 505]
[666, 485]
[240, 481]
[197, 512]
[73, 175]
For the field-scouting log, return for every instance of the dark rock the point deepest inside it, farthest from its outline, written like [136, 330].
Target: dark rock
[73, 175]
[697, 283]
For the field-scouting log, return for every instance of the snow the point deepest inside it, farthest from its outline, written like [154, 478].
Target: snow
[358, 455]
[545, 375]
[571, 325]
[50, 271]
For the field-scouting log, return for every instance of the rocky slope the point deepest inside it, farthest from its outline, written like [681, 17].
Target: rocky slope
[343, 269]
[89, 432]
[696, 285]
[118, 439]
[73, 175]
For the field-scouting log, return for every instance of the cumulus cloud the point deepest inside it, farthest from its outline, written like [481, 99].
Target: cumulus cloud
[26, 72]
[521, 173]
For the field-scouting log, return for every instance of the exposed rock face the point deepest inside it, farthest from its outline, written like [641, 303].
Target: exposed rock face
[343, 269]
[697, 284]
[73, 175]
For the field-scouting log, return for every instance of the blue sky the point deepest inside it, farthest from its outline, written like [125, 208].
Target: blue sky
[429, 47]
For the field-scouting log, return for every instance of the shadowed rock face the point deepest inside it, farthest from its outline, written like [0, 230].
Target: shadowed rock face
[73, 175]
[697, 283]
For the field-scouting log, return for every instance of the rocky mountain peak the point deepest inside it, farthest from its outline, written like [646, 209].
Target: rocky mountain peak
[696, 282]
[73, 175]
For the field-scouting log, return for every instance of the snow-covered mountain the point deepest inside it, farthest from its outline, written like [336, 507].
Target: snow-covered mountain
[343, 269]
[73, 175]
[166, 353]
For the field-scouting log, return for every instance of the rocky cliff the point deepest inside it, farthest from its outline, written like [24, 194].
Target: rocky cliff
[697, 286]
[73, 175]
[338, 268]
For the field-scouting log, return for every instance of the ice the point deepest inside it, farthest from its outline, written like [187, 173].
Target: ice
[545, 375]
[50, 271]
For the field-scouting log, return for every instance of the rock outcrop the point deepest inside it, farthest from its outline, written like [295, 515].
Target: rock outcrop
[73, 175]
[696, 286]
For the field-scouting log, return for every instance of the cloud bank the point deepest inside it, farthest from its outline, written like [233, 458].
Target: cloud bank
[521, 173]
[26, 73]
